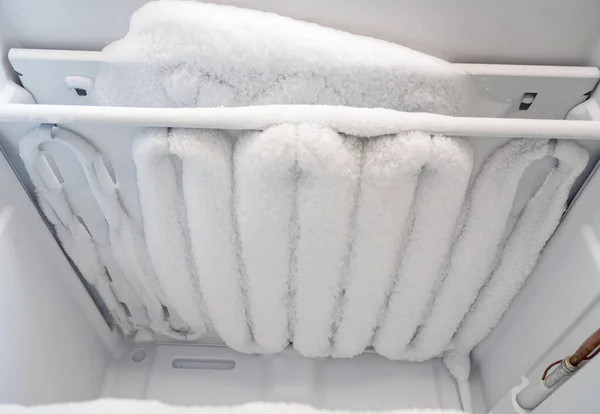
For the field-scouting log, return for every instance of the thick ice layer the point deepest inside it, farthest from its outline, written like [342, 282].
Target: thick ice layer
[187, 54]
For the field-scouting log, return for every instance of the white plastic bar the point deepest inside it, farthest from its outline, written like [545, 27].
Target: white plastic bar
[362, 122]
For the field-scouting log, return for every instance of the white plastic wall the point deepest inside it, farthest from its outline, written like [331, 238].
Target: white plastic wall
[50, 349]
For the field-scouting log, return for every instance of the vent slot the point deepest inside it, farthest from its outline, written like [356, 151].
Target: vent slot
[203, 363]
